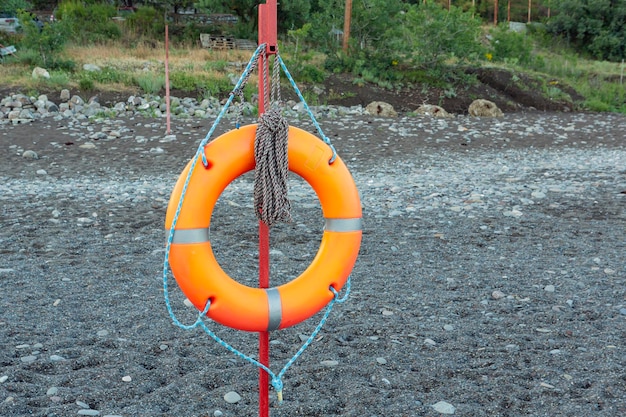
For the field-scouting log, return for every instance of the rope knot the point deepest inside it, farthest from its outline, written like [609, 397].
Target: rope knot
[277, 383]
[272, 167]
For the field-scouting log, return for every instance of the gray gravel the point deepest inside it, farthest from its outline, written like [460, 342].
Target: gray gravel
[491, 280]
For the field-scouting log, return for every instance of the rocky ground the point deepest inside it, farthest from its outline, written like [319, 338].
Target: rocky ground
[490, 281]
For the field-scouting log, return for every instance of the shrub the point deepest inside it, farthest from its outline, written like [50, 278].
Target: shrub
[150, 83]
[510, 46]
[46, 43]
[146, 22]
[89, 23]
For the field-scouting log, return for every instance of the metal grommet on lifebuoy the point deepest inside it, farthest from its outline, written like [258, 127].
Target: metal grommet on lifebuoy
[193, 262]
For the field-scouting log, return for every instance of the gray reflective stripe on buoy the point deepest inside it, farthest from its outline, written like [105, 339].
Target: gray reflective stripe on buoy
[189, 235]
[343, 225]
[275, 309]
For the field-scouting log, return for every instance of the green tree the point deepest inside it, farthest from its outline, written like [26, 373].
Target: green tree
[595, 27]
[428, 35]
[48, 42]
[89, 22]
[12, 6]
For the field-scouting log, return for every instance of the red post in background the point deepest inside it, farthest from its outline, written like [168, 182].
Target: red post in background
[167, 81]
[268, 35]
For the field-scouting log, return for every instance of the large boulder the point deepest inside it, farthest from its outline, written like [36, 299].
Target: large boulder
[433, 111]
[484, 108]
[380, 108]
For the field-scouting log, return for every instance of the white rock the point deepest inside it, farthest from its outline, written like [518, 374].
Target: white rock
[39, 72]
[91, 68]
[30, 155]
[380, 108]
[444, 407]
[497, 294]
[232, 397]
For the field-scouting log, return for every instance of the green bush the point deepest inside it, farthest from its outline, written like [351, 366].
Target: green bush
[108, 75]
[510, 46]
[146, 22]
[89, 23]
[151, 83]
[85, 84]
[184, 81]
[47, 43]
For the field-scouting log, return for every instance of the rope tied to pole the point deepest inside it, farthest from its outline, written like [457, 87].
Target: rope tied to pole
[271, 158]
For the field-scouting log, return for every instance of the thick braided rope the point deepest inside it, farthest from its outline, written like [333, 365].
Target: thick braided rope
[272, 167]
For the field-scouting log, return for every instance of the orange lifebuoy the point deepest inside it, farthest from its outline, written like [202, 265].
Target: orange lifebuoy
[191, 257]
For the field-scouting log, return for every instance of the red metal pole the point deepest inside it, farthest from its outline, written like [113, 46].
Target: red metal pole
[268, 34]
[167, 82]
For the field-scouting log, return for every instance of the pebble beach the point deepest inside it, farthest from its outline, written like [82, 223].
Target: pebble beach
[491, 279]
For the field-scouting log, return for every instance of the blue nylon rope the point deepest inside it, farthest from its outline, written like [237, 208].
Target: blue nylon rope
[308, 109]
[276, 379]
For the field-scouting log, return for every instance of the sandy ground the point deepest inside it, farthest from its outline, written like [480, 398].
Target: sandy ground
[491, 279]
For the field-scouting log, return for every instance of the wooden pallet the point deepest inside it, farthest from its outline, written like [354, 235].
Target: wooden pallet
[216, 42]
[221, 42]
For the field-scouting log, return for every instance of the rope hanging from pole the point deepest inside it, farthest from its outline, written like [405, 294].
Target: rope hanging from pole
[272, 164]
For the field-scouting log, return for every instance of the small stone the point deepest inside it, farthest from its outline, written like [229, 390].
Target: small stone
[188, 303]
[329, 363]
[127, 378]
[232, 397]
[549, 288]
[386, 312]
[42, 172]
[56, 358]
[448, 327]
[217, 413]
[30, 155]
[88, 412]
[3, 378]
[103, 333]
[429, 342]
[444, 407]
[82, 404]
[52, 391]
[163, 346]
[545, 385]
[88, 145]
[28, 359]
[381, 361]
[622, 311]
[497, 294]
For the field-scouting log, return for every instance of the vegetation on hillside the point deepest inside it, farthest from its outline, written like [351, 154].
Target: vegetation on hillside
[393, 43]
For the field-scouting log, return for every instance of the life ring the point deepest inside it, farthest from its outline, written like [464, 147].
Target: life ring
[191, 257]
